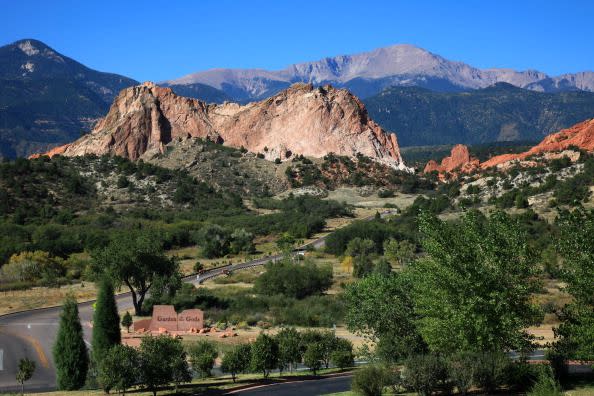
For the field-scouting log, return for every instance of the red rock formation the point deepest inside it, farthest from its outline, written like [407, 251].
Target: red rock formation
[459, 160]
[580, 135]
[299, 120]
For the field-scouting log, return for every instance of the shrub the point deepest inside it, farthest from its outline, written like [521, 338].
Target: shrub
[461, 369]
[546, 384]
[342, 358]
[491, 370]
[370, 380]
[424, 373]
[294, 280]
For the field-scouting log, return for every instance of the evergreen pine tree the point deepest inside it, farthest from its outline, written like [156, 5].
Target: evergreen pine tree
[70, 353]
[106, 321]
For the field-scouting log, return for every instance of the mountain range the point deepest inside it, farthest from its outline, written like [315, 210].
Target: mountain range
[369, 73]
[48, 98]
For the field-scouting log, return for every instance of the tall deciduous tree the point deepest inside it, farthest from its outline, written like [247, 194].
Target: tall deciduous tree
[473, 291]
[136, 261]
[381, 308]
[70, 352]
[106, 321]
[576, 246]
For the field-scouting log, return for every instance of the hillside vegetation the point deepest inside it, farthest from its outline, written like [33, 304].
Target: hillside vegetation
[498, 113]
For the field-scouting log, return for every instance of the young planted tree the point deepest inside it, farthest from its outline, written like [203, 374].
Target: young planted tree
[312, 358]
[127, 321]
[236, 361]
[289, 347]
[25, 372]
[202, 357]
[135, 261]
[161, 362]
[70, 352]
[106, 321]
[264, 354]
[119, 368]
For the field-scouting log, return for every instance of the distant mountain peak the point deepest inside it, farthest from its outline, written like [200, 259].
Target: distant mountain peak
[368, 73]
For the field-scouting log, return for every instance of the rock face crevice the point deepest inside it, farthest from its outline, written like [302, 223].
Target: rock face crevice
[299, 120]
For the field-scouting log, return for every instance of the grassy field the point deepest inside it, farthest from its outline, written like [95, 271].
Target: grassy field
[40, 297]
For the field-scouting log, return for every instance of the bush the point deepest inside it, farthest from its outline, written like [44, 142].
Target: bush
[312, 358]
[370, 380]
[342, 358]
[461, 369]
[294, 280]
[424, 373]
[491, 370]
[546, 384]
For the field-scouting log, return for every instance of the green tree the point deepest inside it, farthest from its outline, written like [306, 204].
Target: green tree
[214, 241]
[127, 321]
[399, 252]
[361, 250]
[382, 267]
[202, 357]
[342, 355]
[289, 347]
[70, 352]
[285, 243]
[25, 372]
[264, 354]
[106, 321]
[312, 358]
[235, 361]
[242, 241]
[294, 280]
[423, 373]
[474, 290]
[119, 368]
[382, 309]
[576, 332]
[160, 361]
[136, 261]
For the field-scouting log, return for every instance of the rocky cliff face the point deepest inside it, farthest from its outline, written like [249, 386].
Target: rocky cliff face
[299, 120]
[580, 135]
[556, 145]
[459, 160]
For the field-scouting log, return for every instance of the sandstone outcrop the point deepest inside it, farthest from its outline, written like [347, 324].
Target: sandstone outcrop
[580, 136]
[299, 120]
[556, 145]
[459, 160]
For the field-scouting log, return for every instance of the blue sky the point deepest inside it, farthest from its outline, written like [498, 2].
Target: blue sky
[155, 40]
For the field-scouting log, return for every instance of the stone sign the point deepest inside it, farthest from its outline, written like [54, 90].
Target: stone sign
[165, 317]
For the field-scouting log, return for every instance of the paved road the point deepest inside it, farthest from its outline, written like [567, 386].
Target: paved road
[311, 387]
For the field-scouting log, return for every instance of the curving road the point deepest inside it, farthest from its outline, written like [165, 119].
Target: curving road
[32, 333]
